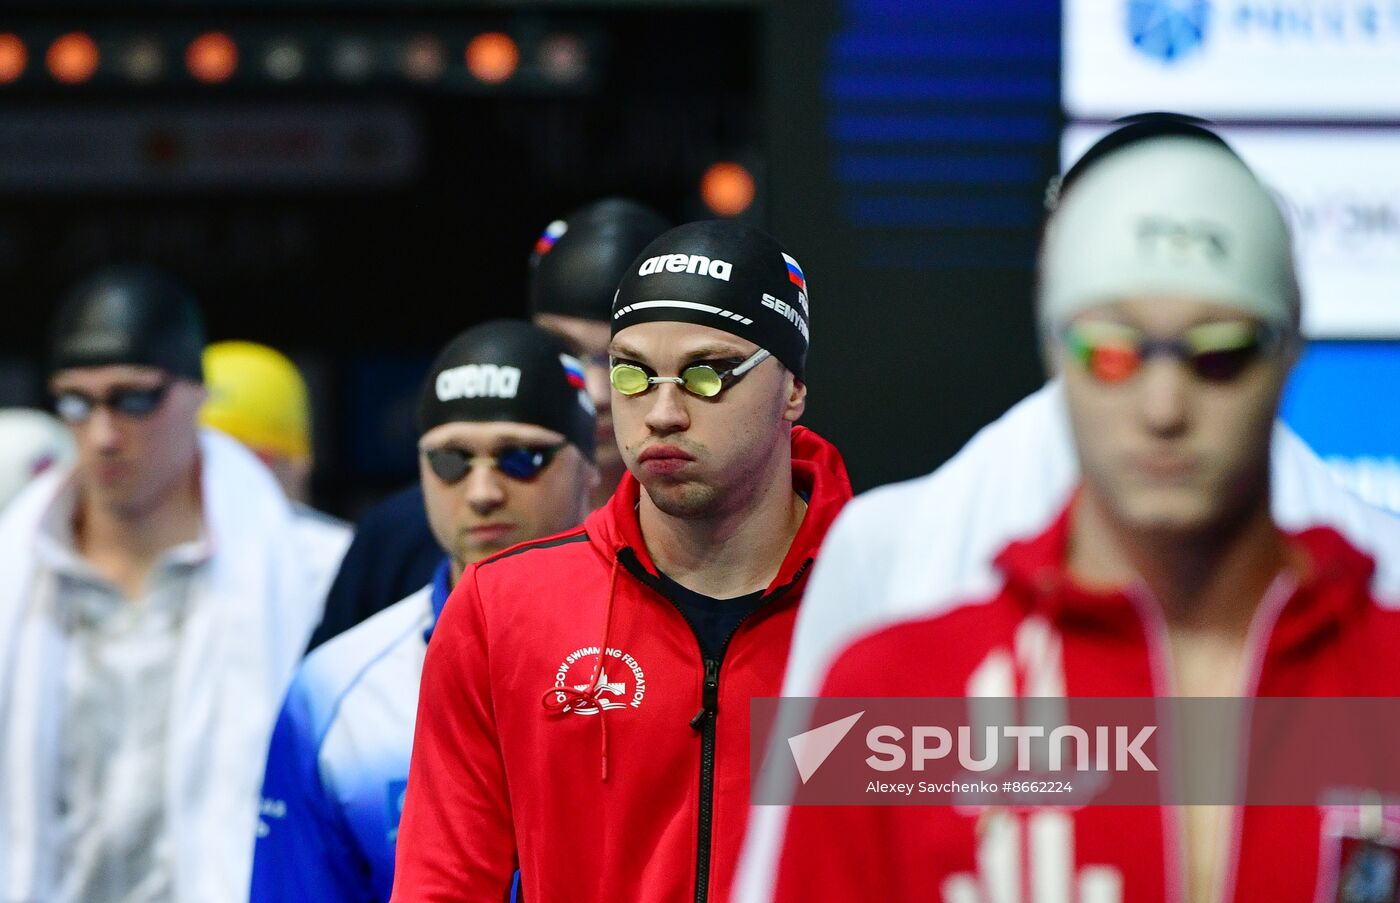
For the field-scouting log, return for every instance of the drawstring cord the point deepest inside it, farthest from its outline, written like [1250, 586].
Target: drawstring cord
[559, 699]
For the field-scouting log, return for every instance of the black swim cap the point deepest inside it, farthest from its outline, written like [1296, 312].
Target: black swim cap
[512, 371]
[579, 260]
[1131, 130]
[129, 315]
[724, 274]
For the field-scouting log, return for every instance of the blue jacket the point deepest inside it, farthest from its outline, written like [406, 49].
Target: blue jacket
[337, 767]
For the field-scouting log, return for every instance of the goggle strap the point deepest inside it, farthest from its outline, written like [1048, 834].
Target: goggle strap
[757, 358]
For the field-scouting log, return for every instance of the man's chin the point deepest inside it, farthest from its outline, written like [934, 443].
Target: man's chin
[683, 499]
[1169, 512]
[479, 553]
[118, 498]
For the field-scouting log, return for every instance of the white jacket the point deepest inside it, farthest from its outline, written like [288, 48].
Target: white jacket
[908, 549]
[253, 607]
[323, 541]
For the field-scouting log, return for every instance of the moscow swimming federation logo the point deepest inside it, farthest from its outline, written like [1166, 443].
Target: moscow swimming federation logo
[1168, 30]
[606, 692]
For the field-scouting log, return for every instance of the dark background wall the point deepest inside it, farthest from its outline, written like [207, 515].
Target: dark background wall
[900, 150]
[911, 143]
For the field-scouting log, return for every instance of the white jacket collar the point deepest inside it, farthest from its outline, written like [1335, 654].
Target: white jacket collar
[250, 616]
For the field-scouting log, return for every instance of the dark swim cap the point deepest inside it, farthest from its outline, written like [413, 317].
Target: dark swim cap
[512, 371]
[579, 260]
[129, 315]
[724, 274]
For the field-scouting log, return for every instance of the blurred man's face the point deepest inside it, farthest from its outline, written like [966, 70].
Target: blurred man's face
[587, 340]
[485, 510]
[1180, 446]
[701, 457]
[135, 430]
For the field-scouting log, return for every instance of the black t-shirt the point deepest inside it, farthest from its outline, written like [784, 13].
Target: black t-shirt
[713, 620]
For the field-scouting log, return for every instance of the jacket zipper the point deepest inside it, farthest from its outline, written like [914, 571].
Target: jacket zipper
[1257, 643]
[1157, 637]
[706, 720]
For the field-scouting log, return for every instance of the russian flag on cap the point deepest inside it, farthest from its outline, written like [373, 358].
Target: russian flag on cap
[552, 233]
[795, 273]
[573, 371]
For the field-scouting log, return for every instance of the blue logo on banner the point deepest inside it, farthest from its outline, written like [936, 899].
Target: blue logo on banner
[1168, 30]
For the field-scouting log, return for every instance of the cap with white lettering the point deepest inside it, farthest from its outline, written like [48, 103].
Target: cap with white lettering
[724, 274]
[508, 371]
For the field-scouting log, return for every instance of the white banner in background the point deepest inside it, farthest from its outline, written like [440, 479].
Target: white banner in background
[1233, 59]
[1342, 191]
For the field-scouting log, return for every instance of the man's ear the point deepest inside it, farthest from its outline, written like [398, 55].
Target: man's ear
[796, 401]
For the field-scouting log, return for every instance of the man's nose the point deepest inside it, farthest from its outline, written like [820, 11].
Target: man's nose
[485, 488]
[668, 412]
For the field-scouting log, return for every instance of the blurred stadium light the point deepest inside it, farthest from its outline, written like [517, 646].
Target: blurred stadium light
[14, 57]
[73, 58]
[454, 54]
[337, 180]
[212, 57]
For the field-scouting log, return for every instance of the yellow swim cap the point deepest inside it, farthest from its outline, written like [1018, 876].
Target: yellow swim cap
[258, 397]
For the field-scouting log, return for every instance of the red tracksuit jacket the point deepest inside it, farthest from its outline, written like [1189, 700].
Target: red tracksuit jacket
[634, 790]
[1328, 638]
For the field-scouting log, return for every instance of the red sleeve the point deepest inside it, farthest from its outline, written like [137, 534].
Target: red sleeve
[456, 840]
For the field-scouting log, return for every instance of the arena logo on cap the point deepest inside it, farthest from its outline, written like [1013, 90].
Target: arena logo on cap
[478, 381]
[687, 263]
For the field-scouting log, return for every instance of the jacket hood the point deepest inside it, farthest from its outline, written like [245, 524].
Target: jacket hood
[818, 474]
[1332, 588]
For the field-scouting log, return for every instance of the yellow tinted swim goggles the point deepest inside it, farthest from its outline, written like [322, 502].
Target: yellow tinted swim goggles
[697, 379]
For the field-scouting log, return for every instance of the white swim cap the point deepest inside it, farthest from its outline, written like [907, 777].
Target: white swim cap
[1168, 216]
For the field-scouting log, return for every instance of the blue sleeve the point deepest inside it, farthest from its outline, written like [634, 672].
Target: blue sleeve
[305, 851]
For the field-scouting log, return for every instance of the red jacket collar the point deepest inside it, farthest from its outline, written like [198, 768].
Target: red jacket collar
[1334, 589]
[818, 473]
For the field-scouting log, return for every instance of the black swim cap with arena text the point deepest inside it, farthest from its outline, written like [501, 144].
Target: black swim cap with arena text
[508, 371]
[724, 274]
